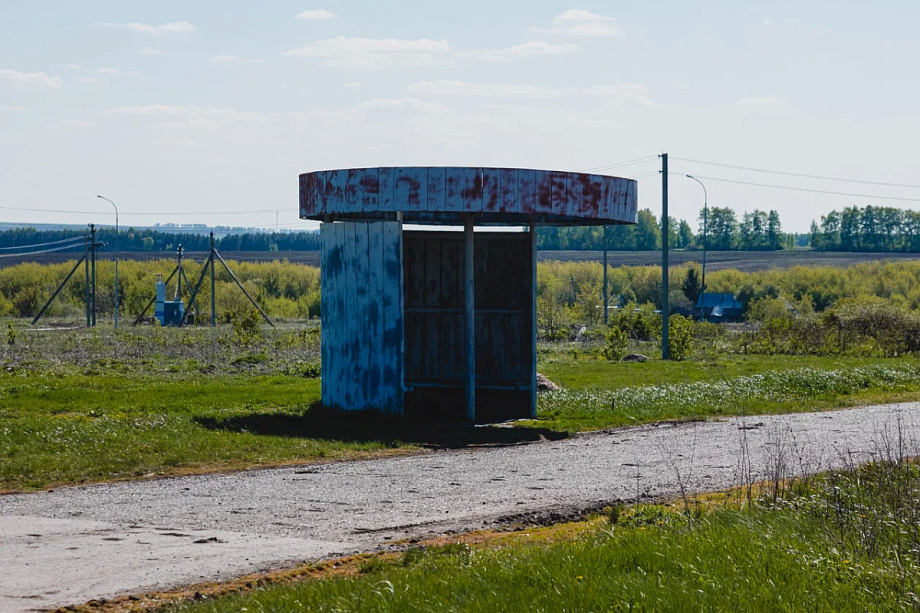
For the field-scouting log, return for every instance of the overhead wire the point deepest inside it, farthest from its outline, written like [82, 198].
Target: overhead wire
[808, 190]
[28, 253]
[66, 240]
[182, 213]
[622, 164]
[797, 174]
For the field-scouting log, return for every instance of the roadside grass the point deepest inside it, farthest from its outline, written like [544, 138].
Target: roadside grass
[769, 392]
[76, 428]
[589, 372]
[846, 541]
[67, 424]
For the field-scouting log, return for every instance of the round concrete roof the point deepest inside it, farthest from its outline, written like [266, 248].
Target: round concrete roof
[447, 195]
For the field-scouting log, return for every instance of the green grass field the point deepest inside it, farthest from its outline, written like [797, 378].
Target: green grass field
[83, 409]
[582, 373]
[68, 424]
[843, 542]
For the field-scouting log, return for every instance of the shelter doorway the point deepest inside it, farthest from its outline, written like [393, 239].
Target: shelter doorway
[435, 343]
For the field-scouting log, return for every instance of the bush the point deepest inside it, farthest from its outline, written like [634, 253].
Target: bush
[864, 327]
[246, 327]
[615, 348]
[680, 337]
[767, 308]
[6, 307]
[639, 323]
[554, 318]
[708, 331]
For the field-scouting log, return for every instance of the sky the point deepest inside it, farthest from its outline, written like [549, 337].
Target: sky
[207, 112]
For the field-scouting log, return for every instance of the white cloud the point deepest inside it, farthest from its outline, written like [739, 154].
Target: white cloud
[534, 47]
[177, 142]
[166, 29]
[621, 95]
[354, 85]
[487, 90]
[538, 47]
[205, 122]
[373, 53]
[161, 109]
[316, 14]
[791, 20]
[13, 79]
[762, 103]
[89, 80]
[578, 121]
[484, 55]
[180, 121]
[12, 109]
[150, 51]
[578, 22]
[225, 59]
[414, 104]
[73, 67]
[625, 94]
[72, 124]
[116, 71]
[579, 16]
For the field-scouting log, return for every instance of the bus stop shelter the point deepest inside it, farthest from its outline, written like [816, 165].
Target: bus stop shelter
[441, 324]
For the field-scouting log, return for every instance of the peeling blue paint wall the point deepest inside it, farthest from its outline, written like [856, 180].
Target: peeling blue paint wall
[362, 306]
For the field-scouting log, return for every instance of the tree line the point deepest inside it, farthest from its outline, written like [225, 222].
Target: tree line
[155, 240]
[755, 231]
[872, 228]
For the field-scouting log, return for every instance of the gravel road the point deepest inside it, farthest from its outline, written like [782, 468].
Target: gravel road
[80, 543]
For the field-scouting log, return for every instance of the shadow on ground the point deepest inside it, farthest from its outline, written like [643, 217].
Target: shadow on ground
[327, 424]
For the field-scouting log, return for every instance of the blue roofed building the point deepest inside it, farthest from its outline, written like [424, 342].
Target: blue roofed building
[719, 307]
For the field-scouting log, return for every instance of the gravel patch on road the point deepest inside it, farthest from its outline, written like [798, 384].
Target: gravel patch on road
[157, 534]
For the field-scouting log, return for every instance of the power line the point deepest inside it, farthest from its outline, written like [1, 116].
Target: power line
[622, 164]
[796, 174]
[28, 253]
[805, 189]
[184, 213]
[66, 240]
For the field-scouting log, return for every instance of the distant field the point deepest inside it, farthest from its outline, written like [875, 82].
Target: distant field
[301, 257]
[747, 261]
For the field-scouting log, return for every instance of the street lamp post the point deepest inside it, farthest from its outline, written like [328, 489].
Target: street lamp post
[705, 215]
[116, 258]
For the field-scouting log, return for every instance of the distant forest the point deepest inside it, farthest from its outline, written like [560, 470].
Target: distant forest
[877, 229]
[873, 228]
[155, 240]
[755, 231]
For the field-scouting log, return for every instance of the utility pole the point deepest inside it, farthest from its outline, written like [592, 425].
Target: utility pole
[179, 278]
[61, 286]
[116, 258]
[86, 270]
[213, 289]
[665, 348]
[92, 234]
[705, 241]
[605, 276]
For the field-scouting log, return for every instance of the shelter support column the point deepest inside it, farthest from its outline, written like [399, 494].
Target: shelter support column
[470, 317]
[533, 316]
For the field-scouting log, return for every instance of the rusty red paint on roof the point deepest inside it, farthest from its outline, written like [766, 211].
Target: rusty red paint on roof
[446, 194]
